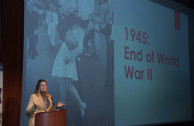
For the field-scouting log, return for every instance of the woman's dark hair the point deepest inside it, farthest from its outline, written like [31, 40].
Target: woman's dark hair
[37, 89]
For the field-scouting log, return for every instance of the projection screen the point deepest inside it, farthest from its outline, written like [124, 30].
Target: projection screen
[113, 62]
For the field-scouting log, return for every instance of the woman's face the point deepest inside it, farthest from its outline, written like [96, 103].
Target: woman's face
[43, 86]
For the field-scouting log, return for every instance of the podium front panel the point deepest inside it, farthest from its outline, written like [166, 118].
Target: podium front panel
[53, 118]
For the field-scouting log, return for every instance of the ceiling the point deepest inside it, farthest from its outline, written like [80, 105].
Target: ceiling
[188, 3]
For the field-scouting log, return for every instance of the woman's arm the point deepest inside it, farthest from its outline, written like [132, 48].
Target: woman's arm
[31, 107]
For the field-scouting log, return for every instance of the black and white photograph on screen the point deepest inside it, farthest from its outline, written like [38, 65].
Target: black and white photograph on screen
[69, 43]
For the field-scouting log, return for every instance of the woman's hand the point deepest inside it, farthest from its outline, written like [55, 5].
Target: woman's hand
[67, 60]
[60, 104]
[35, 104]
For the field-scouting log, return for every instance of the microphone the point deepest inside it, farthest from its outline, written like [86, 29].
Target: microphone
[53, 101]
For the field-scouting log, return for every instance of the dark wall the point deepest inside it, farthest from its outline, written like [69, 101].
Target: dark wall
[11, 55]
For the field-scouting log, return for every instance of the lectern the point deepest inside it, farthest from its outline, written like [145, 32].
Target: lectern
[53, 118]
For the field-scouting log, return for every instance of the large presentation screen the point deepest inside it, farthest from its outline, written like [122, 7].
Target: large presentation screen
[113, 62]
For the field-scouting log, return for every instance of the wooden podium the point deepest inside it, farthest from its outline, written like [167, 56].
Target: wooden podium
[53, 118]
